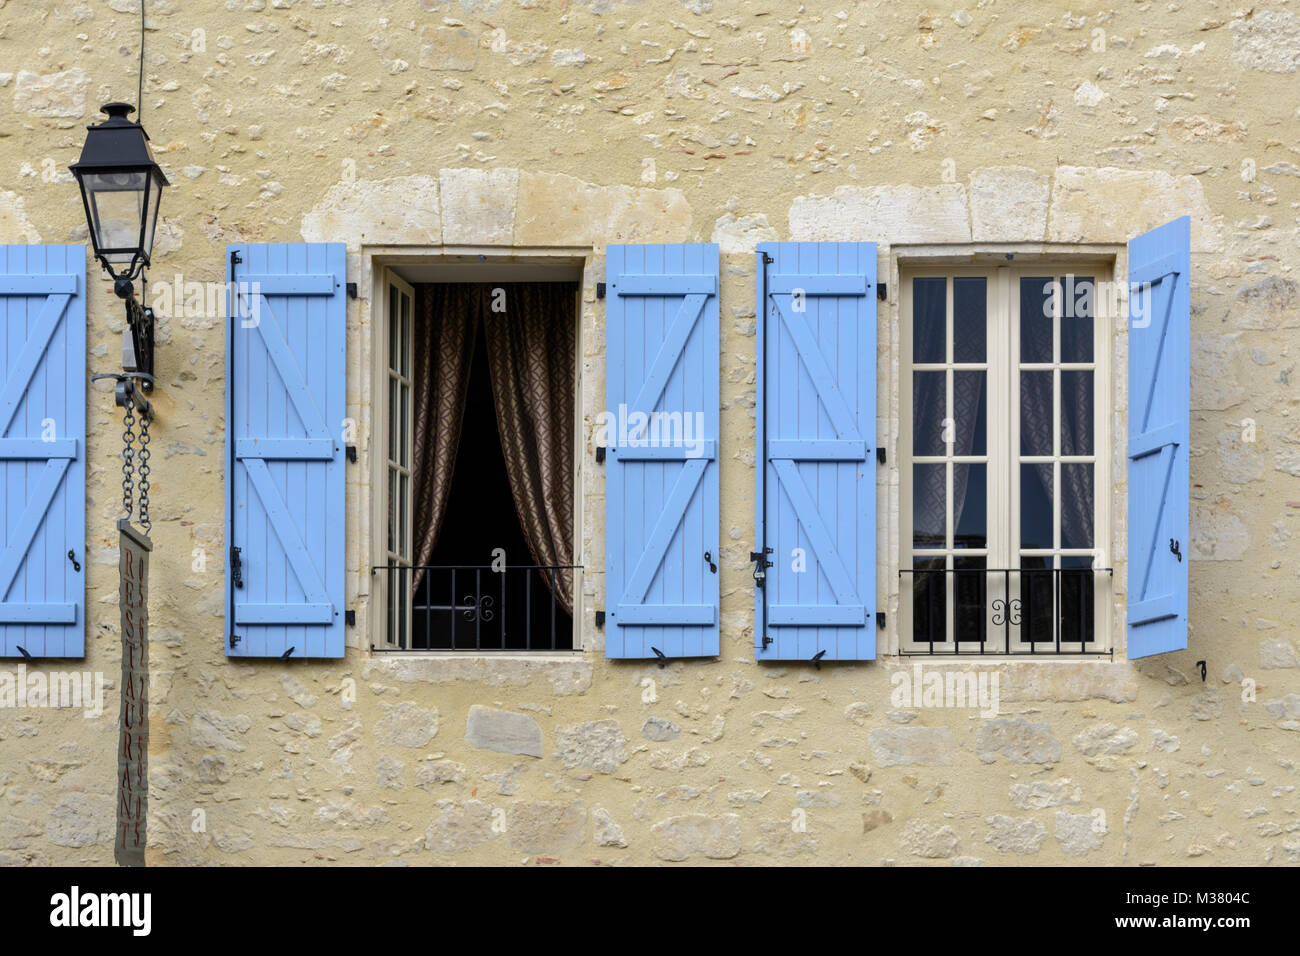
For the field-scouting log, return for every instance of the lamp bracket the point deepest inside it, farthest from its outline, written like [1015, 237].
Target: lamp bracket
[138, 342]
[124, 390]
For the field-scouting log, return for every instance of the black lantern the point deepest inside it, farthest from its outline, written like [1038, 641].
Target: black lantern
[121, 186]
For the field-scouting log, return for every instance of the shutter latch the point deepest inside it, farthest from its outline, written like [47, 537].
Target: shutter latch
[663, 658]
[761, 564]
[1174, 549]
[817, 658]
[72, 556]
[236, 567]
[708, 557]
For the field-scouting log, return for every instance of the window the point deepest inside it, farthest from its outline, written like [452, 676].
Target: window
[477, 420]
[398, 460]
[1004, 408]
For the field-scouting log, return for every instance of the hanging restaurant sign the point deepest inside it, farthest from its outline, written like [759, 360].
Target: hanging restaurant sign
[133, 746]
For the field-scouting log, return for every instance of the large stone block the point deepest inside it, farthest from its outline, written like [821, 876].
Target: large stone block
[697, 834]
[556, 210]
[1017, 740]
[1022, 836]
[931, 842]
[459, 827]
[1105, 204]
[599, 745]
[1079, 833]
[913, 746]
[503, 731]
[886, 214]
[1008, 204]
[546, 827]
[401, 210]
[478, 206]
[80, 820]
[1267, 40]
[61, 94]
[406, 725]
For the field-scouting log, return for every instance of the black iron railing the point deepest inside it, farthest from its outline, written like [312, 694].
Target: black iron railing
[1004, 611]
[476, 607]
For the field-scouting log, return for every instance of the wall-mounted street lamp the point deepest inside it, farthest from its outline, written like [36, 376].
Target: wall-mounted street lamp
[121, 187]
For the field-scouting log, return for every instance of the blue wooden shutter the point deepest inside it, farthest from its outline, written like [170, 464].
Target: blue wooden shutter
[1159, 426]
[662, 354]
[286, 381]
[43, 450]
[816, 477]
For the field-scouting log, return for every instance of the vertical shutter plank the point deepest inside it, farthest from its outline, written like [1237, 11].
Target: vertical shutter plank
[1159, 430]
[662, 355]
[818, 396]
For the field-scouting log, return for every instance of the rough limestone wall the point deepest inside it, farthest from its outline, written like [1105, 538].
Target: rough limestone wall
[528, 122]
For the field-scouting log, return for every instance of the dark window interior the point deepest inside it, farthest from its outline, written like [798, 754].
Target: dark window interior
[493, 611]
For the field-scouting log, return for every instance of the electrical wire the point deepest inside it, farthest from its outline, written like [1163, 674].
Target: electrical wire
[139, 95]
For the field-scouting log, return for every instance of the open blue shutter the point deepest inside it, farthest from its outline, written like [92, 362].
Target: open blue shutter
[816, 478]
[1159, 426]
[661, 474]
[286, 382]
[43, 450]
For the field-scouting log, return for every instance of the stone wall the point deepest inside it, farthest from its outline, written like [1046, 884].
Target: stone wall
[545, 123]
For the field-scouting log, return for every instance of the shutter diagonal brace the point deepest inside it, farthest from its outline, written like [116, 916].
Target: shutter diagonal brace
[820, 373]
[20, 378]
[1162, 440]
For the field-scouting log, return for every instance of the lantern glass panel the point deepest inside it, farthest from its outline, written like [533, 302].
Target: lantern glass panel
[117, 203]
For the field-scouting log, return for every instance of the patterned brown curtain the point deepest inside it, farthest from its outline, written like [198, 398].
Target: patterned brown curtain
[443, 346]
[531, 351]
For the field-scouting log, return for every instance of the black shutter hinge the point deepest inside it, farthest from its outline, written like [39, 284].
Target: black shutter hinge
[352, 454]
[600, 620]
[600, 290]
[880, 455]
[1174, 549]
[235, 259]
[234, 641]
[600, 454]
[350, 616]
[880, 620]
[767, 259]
[766, 641]
[352, 290]
[236, 567]
[882, 291]
[760, 562]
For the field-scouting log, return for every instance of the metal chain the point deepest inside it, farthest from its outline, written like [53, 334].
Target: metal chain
[144, 474]
[128, 456]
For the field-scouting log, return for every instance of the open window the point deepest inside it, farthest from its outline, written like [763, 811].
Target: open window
[476, 418]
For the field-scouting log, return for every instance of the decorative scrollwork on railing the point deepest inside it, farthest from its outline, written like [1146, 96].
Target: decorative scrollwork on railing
[477, 610]
[1000, 606]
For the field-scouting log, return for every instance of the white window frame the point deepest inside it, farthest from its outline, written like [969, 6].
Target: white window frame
[396, 447]
[1003, 443]
[458, 264]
